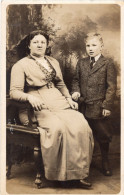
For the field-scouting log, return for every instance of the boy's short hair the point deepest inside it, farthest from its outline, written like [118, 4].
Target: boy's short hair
[94, 34]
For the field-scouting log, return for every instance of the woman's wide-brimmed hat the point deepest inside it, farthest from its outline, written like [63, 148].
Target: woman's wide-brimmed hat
[20, 50]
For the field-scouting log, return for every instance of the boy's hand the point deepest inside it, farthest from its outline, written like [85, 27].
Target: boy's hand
[106, 112]
[75, 96]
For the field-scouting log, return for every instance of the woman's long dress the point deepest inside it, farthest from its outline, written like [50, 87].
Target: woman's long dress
[66, 138]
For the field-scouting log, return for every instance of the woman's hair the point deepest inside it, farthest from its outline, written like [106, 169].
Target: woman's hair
[92, 35]
[32, 35]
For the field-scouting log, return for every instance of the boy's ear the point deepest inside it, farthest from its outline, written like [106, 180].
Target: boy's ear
[48, 45]
[102, 47]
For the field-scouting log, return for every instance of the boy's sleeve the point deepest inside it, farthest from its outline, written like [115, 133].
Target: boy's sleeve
[111, 86]
[75, 82]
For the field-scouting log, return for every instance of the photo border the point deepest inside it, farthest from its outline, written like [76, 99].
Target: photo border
[4, 4]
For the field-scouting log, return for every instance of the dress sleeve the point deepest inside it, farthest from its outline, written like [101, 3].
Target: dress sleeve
[75, 82]
[60, 83]
[17, 83]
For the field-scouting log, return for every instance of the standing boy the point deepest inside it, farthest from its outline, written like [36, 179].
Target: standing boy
[95, 83]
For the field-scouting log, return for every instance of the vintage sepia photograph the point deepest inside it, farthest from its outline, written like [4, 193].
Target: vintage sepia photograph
[63, 97]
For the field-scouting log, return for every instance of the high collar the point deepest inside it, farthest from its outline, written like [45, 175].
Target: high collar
[96, 57]
[36, 58]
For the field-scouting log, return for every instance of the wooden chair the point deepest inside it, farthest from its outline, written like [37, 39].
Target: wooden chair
[26, 136]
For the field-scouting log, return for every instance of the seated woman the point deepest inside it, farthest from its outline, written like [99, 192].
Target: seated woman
[66, 138]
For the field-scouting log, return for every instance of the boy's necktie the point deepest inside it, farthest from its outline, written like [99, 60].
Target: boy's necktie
[92, 62]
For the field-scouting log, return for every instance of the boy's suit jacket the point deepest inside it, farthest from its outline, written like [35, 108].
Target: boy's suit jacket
[97, 85]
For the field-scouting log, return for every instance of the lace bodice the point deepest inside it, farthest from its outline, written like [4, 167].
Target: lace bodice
[50, 75]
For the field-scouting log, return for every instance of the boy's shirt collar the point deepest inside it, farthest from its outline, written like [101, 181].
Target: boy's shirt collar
[96, 57]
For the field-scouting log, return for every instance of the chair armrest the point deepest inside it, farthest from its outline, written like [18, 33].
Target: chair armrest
[17, 104]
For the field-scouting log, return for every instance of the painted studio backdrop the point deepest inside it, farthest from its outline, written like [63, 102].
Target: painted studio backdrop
[67, 25]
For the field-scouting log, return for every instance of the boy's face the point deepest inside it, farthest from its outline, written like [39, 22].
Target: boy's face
[93, 46]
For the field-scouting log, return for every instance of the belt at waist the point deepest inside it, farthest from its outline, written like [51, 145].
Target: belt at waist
[30, 88]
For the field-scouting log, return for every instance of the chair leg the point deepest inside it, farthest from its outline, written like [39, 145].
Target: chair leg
[8, 174]
[9, 160]
[39, 167]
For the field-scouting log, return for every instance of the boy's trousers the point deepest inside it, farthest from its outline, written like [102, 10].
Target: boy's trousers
[102, 129]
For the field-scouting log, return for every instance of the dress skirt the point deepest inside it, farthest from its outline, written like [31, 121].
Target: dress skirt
[66, 138]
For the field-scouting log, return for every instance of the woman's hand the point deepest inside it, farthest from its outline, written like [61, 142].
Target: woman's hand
[106, 112]
[72, 104]
[36, 103]
[75, 96]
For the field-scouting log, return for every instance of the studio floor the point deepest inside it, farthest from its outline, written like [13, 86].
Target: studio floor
[23, 176]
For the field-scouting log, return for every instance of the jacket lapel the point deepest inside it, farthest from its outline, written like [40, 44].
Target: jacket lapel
[100, 62]
[86, 65]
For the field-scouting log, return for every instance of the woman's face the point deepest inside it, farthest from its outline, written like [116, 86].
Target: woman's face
[38, 45]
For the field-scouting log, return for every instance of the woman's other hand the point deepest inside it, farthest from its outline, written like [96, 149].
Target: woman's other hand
[75, 96]
[72, 104]
[36, 103]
